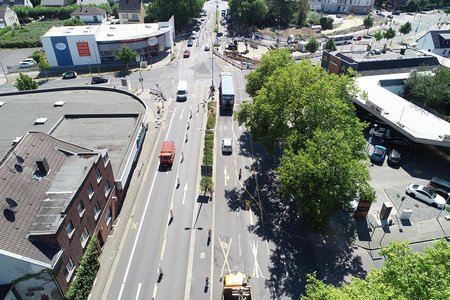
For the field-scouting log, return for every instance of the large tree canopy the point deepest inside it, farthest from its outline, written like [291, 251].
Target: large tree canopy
[307, 112]
[183, 10]
[405, 275]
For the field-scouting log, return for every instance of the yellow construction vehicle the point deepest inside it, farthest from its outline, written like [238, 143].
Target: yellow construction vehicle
[236, 287]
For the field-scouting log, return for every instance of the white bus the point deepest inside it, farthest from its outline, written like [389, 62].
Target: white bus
[342, 39]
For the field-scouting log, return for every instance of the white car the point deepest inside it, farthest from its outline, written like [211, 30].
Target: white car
[227, 145]
[425, 194]
[27, 63]
[207, 48]
[380, 132]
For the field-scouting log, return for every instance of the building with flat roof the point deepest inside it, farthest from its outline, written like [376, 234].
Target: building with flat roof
[385, 102]
[97, 44]
[66, 157]
[376, 62]
[435, 41]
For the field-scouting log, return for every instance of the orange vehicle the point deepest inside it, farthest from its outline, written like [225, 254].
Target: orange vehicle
[167, 154]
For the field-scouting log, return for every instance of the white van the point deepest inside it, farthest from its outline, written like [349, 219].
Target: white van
[182, 90]
[317, 28]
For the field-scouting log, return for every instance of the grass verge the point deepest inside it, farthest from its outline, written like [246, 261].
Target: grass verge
[206, 182]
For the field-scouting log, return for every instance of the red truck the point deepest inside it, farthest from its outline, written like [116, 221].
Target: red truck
[167, 154]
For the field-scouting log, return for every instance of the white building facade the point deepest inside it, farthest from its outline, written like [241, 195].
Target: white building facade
[342, 6]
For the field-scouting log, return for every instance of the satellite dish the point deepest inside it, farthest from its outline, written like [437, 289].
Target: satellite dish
[20, 159]
[11, 202]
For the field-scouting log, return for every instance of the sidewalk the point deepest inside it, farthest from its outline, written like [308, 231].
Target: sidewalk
[111, 251]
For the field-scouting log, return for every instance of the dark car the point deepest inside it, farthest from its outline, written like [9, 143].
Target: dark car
[396, 13]
[378, 154]
[69, 75]
[394, 157]
[190, 43]
[99, 79]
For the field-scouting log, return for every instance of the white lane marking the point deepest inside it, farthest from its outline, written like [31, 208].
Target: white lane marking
[226, 176]
[225, 127]
[187, 289]
[267, 246]
[137, 235]
[170, 124]
[155, 289]
[225, 255]
[240, 249]
[184, 192]
[256, 269]
[181, 115]
[250, 214]
[138, 291]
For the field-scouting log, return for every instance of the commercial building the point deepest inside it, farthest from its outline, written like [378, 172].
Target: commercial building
[65, 164]
[435, 41]
[342, 6]
[97, 44]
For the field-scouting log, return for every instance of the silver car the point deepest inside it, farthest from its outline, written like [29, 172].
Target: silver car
[425, 194]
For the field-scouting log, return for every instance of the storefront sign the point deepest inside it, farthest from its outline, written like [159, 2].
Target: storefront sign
[60, 46]
[152, 41]
[83, 49]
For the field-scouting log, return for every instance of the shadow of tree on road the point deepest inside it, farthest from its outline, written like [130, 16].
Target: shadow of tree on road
[298, 250]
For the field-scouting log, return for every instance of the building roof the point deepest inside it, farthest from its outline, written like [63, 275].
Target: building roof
[441, 38]
[130, 5]
[85, 2]
[414, 122]
[78, 120]
[26, 187]
[88, 11]
[3, 10]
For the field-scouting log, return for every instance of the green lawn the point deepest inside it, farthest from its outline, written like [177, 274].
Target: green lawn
[27, 36]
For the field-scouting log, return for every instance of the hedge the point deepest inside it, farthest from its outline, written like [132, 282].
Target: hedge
[4, 30]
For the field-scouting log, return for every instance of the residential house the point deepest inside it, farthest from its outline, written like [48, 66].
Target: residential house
[131, 11]
[55, 195]
[435, 41]
[16, 2]
[55, 2]
[8, 17]
[90, 15]
[342, 6]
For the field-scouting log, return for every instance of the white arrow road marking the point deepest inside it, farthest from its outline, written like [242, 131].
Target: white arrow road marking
[256, 269]
[224, 245]
[225, 127]
[226, 176]
[184, 192]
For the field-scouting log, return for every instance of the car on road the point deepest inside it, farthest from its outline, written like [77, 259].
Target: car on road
[69, 75]
[390, 16]
[27, 63]
[381, 132]
[186, 53]
[227, 146]
[99, 79]
[190, 43]
[207, 47]
[357, 38]
[378, 154]
[396, 12]
[425, 194]
[394, 157]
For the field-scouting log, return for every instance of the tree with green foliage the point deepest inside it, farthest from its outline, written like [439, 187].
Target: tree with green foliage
[389, 34]
[404, 275]
[25, 83]
[312, 45]
[73, 22]
[86, 272]
[330, 45]
[282, 11]
[308, 113]
[269, 63]
[312, 18]
[183, 10]
[378, 36]
[259, 11]
[126, 55]
[405, 29]
[302, 12]
[37, 55]
[250, 12]
[326, 23]
[430, 89]
[44, 65]
[368, 22]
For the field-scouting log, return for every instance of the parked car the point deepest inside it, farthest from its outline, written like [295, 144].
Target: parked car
[378, 154]
[394, 157]
[186, 53]
[425, 194]
[390, 16]
[207, 47]
[27, 63]
[227, 146]
[357, 38]
[69, 75]
[99, 79]
[190, 43]
[381, 132]
[440, 185]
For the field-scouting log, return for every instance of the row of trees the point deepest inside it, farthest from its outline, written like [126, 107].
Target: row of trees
[307, 113]
[183, 10]
[405, 275]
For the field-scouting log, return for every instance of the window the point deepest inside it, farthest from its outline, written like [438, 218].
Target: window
[90, 191]
[135, 17]
[108, 216]
[98, 175]
[97, 211]
[80, 208]
[68, 270]
[70, 229]
[107, 188]
[84, 237]
[105, 159]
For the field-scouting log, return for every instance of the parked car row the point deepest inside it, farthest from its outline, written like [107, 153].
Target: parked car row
[426, 195]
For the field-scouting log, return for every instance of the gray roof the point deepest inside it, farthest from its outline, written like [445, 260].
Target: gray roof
[441, 38]
[130, 5]
[60, 193]
[3, 10]
[85, 111]
[18, 182]
[88, 11]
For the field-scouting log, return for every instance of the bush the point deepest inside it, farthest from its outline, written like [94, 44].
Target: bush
[85, 274]
[28, 36]
[5, 30]
[326, 23]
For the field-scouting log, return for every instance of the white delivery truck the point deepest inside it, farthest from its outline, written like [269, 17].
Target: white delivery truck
[182, 90]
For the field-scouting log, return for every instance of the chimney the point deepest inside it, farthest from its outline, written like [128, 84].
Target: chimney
[43, 165]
